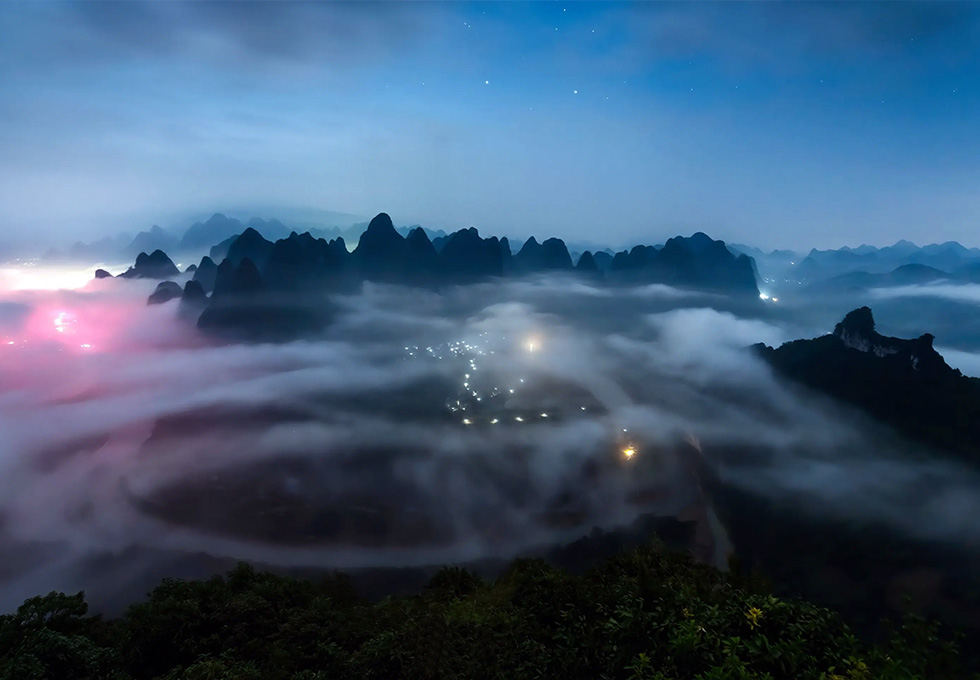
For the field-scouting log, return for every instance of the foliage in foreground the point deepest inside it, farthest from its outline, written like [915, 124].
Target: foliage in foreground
[644, 615]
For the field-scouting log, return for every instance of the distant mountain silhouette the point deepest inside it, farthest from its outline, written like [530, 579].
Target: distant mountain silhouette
[244, 306]
[156, 238]
[249, 244]
[424, 263]
[429, 233]
[202, 235]
[587, 263]
[193, 301]
[206, 273]
[165, 292]
[552, 255]
[291, 270]
[103, 250]
[382, 254]
[695, 262]
[905, 275]
[301, 262]
[603, 260]
[193, 293]
[102, 274]
[903, 383]
[156, 265]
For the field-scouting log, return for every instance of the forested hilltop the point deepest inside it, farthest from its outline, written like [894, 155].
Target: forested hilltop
[646, 614]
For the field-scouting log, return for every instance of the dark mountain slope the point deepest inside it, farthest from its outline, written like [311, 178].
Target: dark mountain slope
[903, 383]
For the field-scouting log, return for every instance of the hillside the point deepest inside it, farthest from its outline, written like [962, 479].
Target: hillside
[905, 384]
[643, 615]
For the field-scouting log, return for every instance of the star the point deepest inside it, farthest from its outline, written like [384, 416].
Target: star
[574, 91]
[486, 82]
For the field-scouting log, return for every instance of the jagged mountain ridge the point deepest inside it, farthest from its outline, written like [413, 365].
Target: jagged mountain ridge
[256, 270]
[383, 254]
[903, 383]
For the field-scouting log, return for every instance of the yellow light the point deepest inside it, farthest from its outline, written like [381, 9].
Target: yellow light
[629, 452]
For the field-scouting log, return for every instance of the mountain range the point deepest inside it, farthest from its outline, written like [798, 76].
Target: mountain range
[819, 268]
[259, 279]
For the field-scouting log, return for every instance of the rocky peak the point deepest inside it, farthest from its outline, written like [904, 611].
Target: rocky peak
[587, 263]
[206, 273]
[193, 293]
[857, 331]
[165, 291]
[156, 265]
[380, 230]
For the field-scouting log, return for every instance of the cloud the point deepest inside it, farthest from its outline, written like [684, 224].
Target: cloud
[229, 35]
[966, 292]
[168, 444]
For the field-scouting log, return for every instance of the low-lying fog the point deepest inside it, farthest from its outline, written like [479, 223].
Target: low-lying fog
[421, 428]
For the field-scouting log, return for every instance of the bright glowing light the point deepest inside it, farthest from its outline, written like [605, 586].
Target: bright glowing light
[61, 322]
[32, 277]
[763, 296]
[467, 421]
[544, 415]
[86, 346]
[629, 452]
[519, 419]
[10, 342]
[512, 391]
[494, 421]
[775, 299]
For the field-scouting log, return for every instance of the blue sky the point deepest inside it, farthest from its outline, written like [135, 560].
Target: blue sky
[774, 124]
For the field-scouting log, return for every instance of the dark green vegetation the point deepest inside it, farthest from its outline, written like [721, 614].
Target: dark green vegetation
[646, 614]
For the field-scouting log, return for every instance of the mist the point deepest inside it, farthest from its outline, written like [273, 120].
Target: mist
[131, 441]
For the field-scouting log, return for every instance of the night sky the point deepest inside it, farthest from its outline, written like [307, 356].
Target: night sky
[772, 124]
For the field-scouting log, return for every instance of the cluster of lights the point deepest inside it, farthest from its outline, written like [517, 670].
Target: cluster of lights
[61, 322]
[764, 296]
[470, 404]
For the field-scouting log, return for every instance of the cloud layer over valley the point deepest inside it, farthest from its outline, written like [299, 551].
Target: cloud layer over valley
[420, 428]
